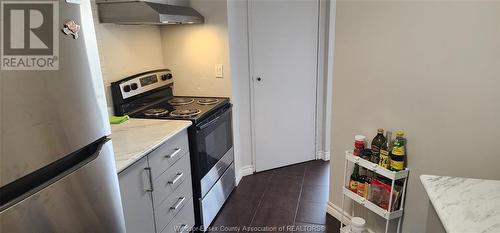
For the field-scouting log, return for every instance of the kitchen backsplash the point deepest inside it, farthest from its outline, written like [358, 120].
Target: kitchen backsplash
[191, 51]
[125, 50]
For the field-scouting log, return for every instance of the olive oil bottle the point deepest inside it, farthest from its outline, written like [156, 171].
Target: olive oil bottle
[385, 151]
[377, 143]
[398, 152]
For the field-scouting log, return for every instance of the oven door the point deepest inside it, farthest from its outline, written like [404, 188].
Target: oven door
[214, 147]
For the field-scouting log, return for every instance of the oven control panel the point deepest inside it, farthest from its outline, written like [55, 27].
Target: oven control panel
[146, 82]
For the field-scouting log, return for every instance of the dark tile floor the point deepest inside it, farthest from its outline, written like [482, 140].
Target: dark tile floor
[292, 197]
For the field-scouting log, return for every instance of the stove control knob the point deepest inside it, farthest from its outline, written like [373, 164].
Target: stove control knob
[134, 86]
[126, 88]
[166, 76]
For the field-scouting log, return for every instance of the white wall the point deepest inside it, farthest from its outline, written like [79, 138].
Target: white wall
[125, 50]
[191, 51]
[431, 68]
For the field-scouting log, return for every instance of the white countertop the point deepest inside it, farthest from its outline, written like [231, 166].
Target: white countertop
[465, 205]
[137, 137]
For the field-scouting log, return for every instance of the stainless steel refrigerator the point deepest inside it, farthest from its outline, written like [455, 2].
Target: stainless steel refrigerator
[57, 169]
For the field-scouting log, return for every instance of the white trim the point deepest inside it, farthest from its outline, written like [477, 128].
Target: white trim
[327, 156]
[319, 154]
[321, 58]
[323, 155]
[244, 171]
[329, 76]
[251, 69]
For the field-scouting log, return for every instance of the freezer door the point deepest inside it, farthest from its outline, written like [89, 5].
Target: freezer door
[45, 115]
[86, 200]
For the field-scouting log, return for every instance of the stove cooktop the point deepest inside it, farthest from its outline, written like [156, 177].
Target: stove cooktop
[181, 108]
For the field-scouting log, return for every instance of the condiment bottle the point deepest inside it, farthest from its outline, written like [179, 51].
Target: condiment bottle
[353, 182]
[368, 185]
[362, 186]
[377, 143]
[359, 144]
[398, 152]
[385, 152]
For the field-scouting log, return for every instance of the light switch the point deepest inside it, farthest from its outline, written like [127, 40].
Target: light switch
[219, 71]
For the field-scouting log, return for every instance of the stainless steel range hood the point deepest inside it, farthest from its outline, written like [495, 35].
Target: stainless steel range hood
[157, 12]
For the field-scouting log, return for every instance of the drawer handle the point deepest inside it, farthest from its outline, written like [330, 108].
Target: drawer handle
[176, 151]
[151, 189]
[183, 228]
[178, 203]
[177, 177]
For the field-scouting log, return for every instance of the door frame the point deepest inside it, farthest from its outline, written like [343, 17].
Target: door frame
[322, 115]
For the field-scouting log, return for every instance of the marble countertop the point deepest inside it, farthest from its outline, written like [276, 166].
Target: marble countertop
[137, 137]
[465, 205]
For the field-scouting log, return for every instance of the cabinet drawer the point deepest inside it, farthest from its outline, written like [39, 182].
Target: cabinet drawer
[183, 221]
[168, 153]
[170, 180]
[166, 211]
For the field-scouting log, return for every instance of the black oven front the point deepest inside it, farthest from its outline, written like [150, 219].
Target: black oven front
[212, 164]
[211, 140]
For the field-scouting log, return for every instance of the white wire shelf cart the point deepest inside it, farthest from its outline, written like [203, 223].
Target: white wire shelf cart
[392, 175]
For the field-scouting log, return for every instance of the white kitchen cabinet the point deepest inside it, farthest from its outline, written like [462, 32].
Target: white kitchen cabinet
[137, 199]
[159, 185]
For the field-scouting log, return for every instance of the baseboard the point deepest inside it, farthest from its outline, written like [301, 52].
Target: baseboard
[336, 212]
[326, 155]
[244, 171]
[323, 155]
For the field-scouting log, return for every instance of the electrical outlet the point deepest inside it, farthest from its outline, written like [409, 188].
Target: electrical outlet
[219, 71]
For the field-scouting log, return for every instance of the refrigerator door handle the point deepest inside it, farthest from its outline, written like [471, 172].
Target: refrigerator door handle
[28, 185]
[151, 187]
[88, 181]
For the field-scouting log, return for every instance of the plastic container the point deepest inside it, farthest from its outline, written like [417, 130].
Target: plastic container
[358, 225]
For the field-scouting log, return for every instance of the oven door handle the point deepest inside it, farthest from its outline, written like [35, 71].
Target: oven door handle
[201, 127]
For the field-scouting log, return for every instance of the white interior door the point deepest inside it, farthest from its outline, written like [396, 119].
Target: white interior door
[283, 37]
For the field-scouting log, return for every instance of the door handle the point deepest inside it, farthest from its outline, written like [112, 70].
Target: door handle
[214, 121]
[176, 151]
[151, 189]
[177, 177]
[178, 203]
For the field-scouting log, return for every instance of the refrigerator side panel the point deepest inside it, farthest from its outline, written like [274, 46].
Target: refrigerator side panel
[86, 200]
[46, 115]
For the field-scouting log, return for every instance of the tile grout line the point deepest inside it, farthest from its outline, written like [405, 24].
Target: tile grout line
[261, 198]
[300, 196]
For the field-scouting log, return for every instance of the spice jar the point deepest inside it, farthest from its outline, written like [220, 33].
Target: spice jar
[359, 144]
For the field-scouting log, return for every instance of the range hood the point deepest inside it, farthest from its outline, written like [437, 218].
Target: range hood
[156, 12]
